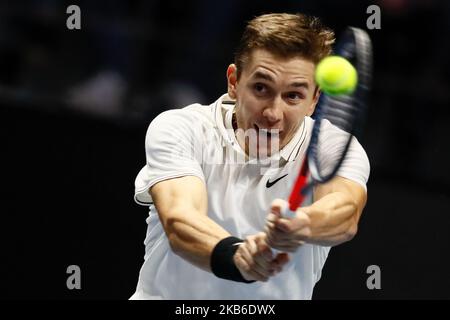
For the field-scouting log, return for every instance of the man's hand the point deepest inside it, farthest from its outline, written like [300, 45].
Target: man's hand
[255, 260]
[287, 234]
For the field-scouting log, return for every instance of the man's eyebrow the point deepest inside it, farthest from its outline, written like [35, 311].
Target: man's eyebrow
[268, 77]
[300, 85]
[263, 75]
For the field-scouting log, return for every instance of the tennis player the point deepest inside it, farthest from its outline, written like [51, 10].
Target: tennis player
[216, 177]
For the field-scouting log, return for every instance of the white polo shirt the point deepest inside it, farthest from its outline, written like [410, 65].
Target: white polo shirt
[199, 141]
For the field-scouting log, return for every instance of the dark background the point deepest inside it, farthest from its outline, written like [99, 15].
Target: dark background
[75, 106]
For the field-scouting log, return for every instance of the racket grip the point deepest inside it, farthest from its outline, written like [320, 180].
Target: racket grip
[286, 212]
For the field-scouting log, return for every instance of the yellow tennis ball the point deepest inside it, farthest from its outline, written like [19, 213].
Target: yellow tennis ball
[336, 75]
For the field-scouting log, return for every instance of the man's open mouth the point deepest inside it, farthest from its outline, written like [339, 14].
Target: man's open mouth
[270, 133]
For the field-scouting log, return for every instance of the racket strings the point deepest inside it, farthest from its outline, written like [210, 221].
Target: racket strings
[332, 145]
[341, 111]
[328, 150]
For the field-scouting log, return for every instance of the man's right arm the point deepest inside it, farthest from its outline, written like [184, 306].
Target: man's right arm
[182, 207]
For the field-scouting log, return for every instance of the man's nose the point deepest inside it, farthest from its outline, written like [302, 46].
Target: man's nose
[274, 111]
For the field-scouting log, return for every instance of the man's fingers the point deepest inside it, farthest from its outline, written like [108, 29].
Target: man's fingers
[263, 249]
[282, 258]
[280, 261]
[251, 246]
[300, 221]
[258, 247]
[276, 238]
[243, 267]
[264, 257]
[248, 265]
[287, 248]
[279, 227]
[247, 271]
[271, 218]
[282, 242]
[277, 206]
[257, 255]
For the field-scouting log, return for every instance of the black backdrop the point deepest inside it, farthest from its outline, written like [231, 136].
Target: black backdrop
[68, 177]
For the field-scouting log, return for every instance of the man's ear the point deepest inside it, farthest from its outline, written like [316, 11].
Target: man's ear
[312, 107]
[232, 80]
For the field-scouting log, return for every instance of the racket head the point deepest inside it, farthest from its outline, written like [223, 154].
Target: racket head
[346, 112]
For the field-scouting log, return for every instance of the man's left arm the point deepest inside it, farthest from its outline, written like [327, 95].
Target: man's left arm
[331, 220]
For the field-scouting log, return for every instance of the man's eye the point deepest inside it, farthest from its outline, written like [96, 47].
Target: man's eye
[260, 88]
[294, 96]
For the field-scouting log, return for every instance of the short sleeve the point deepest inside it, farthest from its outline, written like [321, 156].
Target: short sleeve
[355, 167]
[173, 148]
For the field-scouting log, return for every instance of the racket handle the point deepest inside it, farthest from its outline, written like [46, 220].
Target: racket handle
[286, 211]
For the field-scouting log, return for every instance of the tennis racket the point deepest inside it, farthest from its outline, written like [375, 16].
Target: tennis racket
[347, 112]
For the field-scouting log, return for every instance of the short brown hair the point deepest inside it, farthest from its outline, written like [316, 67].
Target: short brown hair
[285, 35]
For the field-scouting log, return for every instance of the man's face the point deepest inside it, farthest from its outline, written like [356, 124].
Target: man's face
[273, 94]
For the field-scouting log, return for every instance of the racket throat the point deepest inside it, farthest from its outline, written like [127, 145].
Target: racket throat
[301, 188]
